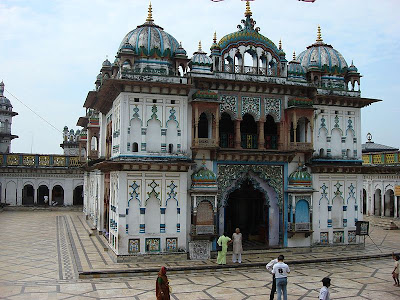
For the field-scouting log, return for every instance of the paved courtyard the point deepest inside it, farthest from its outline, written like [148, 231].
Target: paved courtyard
[41, 253]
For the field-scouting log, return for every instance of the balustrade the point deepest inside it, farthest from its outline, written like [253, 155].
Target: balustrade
[229, 68]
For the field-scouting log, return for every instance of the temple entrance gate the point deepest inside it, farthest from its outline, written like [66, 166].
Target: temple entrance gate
[248, 211]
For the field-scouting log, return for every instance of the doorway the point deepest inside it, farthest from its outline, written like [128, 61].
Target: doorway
[247, 210]
[28, 195]
[43, 195]
[78, 195]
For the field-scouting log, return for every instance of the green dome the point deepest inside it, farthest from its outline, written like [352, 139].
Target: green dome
[300, 177]
[204, 176]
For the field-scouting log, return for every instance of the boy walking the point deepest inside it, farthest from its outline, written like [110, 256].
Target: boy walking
[395, 273]
[281, 270]
[324, 292]
[270, 266]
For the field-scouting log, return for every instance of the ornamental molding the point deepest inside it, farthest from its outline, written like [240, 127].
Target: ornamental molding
[252, 106]
[229, 105]
[230, 178]
[273, 108]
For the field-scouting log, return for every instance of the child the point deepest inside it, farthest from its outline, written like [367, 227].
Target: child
[395, 273]
[324, 292]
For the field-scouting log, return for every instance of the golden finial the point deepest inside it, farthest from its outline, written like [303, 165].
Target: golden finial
[150, 14]
[319, 36]
[248, 12]
[294, 55]
[280, 44]
[215, 37]
[200, 50]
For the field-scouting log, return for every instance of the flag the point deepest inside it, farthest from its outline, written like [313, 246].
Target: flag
[312, 1]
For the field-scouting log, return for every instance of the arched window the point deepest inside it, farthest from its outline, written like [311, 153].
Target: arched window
[301, 130]
[203, 126]
[93, 143]
[181, 71]
[270, 133]
[238, 63]
[135, 147]
[291, 132]
[248, 130]
[226, 131]
[321, 152]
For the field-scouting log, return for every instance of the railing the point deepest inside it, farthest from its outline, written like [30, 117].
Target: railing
[299, 227]
[249, 141]
[227, 140]
[271, 142]
[39, 161]
[205, 143]
[229, 68]
[301, 146]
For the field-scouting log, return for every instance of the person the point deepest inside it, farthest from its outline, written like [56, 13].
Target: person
[162, 285]
[223, 241]
[237, 246]
[281, 270]
[269, 267]
[395, 273]
[324, 292]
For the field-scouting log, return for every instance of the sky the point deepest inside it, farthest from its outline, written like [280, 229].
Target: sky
[52, 50]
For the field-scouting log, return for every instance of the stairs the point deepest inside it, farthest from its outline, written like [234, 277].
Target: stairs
[386, 223]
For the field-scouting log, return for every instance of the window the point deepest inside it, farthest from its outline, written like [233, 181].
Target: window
[154, 100]
[170, 148]
[135, 147]
[172, 101]
[136, 99]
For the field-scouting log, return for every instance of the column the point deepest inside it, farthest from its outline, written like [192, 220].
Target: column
[217, 126]
[396, 199]
[178, 219]
[344, 215]
[196, 124]
[162, 221]
[382, 201]
[142, 228]
[237, 134]
[261, 139]
[329, 215]
[35, 196]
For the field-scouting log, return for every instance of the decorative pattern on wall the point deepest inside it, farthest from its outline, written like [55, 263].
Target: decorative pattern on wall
[134, 191]
[153, 116]
[134, 246]
[251, 105]
[352, 237]
[153, 245]
[338, 192]
[153, 188]
[171, 244]
[338, 237]
[172, 116]
[229, 104]
[324, 194]
[352, 192]
[336, 122]
[324, 238]
[273, 108]
[236, 174]
[171, 192]
[136, 112]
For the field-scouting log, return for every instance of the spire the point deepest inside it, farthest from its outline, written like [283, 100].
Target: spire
[319, 36]
[248, 12]
[200, 50]
[280, 44]
[215, 37]
[1, 88]
[294, 55]
[150, 14]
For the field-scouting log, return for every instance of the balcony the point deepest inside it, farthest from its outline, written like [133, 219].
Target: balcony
[294, 228]
[251, 70]
[301, 146]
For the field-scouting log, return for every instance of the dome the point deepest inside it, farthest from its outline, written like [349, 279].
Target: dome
[106, 63]
[300, 177]
[204, 177]
[248, 34]
[150, 40]
[181, 51]
[352, 68]
[200, 61]
[323, 57]
[295, 69]
[3, 99]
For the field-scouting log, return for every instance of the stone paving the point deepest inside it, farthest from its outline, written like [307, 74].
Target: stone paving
[41, 253]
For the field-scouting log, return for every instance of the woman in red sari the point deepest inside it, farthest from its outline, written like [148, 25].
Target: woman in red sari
[162, 285]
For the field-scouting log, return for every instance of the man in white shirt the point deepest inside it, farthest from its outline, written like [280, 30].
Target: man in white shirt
[281, 270]
[269, 267]
[324, 292]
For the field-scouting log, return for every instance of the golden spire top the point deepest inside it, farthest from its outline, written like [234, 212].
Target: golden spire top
[248, 12]
[215, 37]
[319, 36]
[150, 14]
[294, 55]
[280, 44]
[200, 50]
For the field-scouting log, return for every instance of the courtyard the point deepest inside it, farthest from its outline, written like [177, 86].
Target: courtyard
[42, 253]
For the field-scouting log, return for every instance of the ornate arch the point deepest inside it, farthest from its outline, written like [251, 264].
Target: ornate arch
[227, 174]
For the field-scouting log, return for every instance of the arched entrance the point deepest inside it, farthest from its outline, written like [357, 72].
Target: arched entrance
[28, 195]
[389, 203]
[364, 204]
[42, 194]
[58, 196]
[377, 202]
[246, 209]
[78, 195]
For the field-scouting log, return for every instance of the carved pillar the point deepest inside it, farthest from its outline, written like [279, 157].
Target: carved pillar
[237, 134]
[396, 199]
[261, 138]
[162, 220]
[196, 124]
[217, 126]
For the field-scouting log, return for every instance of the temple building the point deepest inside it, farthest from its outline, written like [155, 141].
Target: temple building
[381, 190]
[181, 149]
